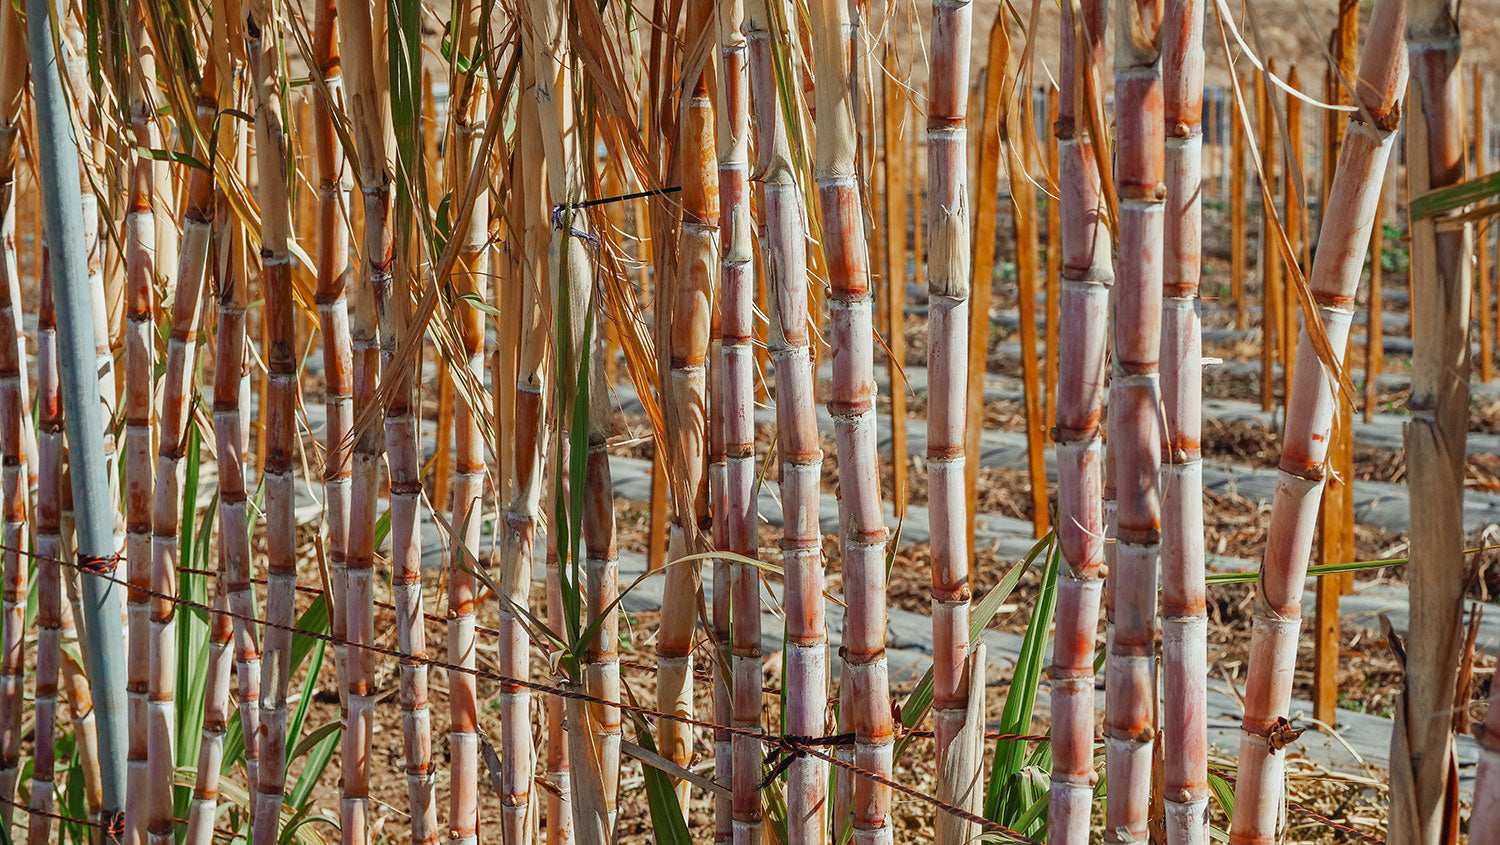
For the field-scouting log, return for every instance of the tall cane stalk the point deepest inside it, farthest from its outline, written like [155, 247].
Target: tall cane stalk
[1423, 774]
[521, 513]
[785, 239]
[1345, 233]
[865, 692]
[57, 160]
[140, 239]
[172, 435]
[334, 272]
[686, 310]
[1083, 308]
[1184, 609]
[466, 110]
[957, 669]
[49, 550]
[735, 414]
[370, 124]
[1135, 440]
[232, 441]
[231, 640]
[14, 422]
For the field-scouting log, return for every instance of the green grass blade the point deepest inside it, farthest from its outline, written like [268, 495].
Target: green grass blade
[1002, 800]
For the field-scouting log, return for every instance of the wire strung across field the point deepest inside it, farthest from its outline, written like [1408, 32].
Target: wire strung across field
[114, 829]
[104, 567]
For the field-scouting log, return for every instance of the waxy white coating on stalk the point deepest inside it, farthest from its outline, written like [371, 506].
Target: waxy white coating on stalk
[1334, 281]
[735, 416]
[1086, 273]
[864, 696]
[1130, 721]
[806, 683]
[957, 731]
[1184, 716]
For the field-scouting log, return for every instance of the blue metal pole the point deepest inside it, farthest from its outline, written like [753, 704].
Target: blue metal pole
[62, 214]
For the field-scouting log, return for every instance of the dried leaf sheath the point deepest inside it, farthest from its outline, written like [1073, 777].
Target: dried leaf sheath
[1345, 232]
[865, 695]
[1423, 759]
[784, 243]
[735, 412]
[1083, 303]
[1184, 714]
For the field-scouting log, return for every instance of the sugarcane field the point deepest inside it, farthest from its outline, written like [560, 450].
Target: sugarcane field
[768, 422]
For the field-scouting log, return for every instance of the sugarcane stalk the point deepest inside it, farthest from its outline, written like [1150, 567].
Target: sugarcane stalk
[468, 467]
[1484, 820]
[13, 422]
[865, 689]
[141, 263]
[1423, 778]
[1053, 275]
[806, 682]
[1345, 232]
[1184, 611]
[957, 736]
[166, 511]
[718, 500]
[1083, 307]
[334, 272]
[529, 454]
[49, 550]
[232, 639]
[59, 179]
[1135, 437]
[686, 314]
[363, 53]
[231, 416]
[735, 414]
[601, 657]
